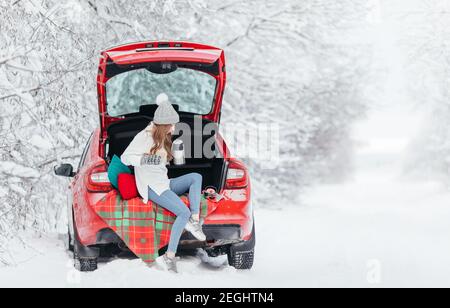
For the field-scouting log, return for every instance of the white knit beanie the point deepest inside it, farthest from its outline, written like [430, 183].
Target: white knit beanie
[165, 113]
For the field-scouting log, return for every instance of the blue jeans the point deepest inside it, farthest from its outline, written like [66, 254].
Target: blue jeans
[169, 200]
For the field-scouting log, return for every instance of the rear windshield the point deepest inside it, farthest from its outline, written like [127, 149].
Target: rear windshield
[192, 90]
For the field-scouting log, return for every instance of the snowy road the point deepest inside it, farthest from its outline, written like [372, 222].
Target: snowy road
[373, 231]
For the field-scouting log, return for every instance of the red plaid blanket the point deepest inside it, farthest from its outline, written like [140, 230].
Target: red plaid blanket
[145, 228]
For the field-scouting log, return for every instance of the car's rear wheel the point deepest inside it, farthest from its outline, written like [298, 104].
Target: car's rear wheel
[241, 259]
[242, 255]
[85, 259]
[70, 245]
[69, 242]
[84, 264]
[81, 262]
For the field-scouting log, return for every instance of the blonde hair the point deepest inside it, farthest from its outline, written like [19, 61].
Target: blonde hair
[162, 138]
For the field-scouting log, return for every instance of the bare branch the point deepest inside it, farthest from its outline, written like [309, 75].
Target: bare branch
[253, 25]
[55, 159]
[18, 94]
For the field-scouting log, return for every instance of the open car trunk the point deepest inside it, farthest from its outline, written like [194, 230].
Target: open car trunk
[121, 133]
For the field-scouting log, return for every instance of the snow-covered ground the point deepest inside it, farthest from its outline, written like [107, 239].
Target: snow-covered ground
[375, 231]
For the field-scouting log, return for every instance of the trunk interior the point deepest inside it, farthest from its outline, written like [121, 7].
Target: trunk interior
[212, 169]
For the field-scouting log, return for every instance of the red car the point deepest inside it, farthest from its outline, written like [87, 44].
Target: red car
[129, 79]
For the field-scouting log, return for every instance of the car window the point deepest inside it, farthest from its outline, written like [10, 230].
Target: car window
[192, 90]
[86, 149]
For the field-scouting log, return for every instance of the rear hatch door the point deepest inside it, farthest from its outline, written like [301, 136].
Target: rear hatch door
[130, 77]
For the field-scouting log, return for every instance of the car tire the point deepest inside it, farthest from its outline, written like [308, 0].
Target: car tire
[241, 259]
[242, 255]
[85, 264]
[70, 246]
[84, 258]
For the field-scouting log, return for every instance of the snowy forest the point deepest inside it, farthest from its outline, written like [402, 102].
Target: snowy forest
[286, 64]
[313, 67]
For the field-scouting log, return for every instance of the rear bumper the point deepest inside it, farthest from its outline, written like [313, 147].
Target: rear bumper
[215, 234]
[222, 232]
[231, 220]
[218, 237]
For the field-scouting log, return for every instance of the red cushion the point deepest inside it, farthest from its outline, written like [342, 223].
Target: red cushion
[127, 186]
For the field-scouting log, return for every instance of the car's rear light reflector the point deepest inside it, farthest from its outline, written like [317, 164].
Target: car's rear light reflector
[97, 179]
[237, 176]
[100, 177]
[234, 174]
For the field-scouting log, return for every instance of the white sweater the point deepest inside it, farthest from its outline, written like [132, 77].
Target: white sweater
[153, 175]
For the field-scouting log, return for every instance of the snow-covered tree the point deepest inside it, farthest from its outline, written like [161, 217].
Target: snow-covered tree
[298, 64]
[425, 29]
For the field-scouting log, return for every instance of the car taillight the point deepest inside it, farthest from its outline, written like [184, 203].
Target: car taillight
[101, 177]
[97, 179]
[236, 176]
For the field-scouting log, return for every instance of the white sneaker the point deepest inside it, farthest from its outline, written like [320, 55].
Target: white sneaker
[195, 229]
[167, 264]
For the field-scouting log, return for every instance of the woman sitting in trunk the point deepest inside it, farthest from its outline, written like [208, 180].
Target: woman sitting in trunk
[149, 152]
